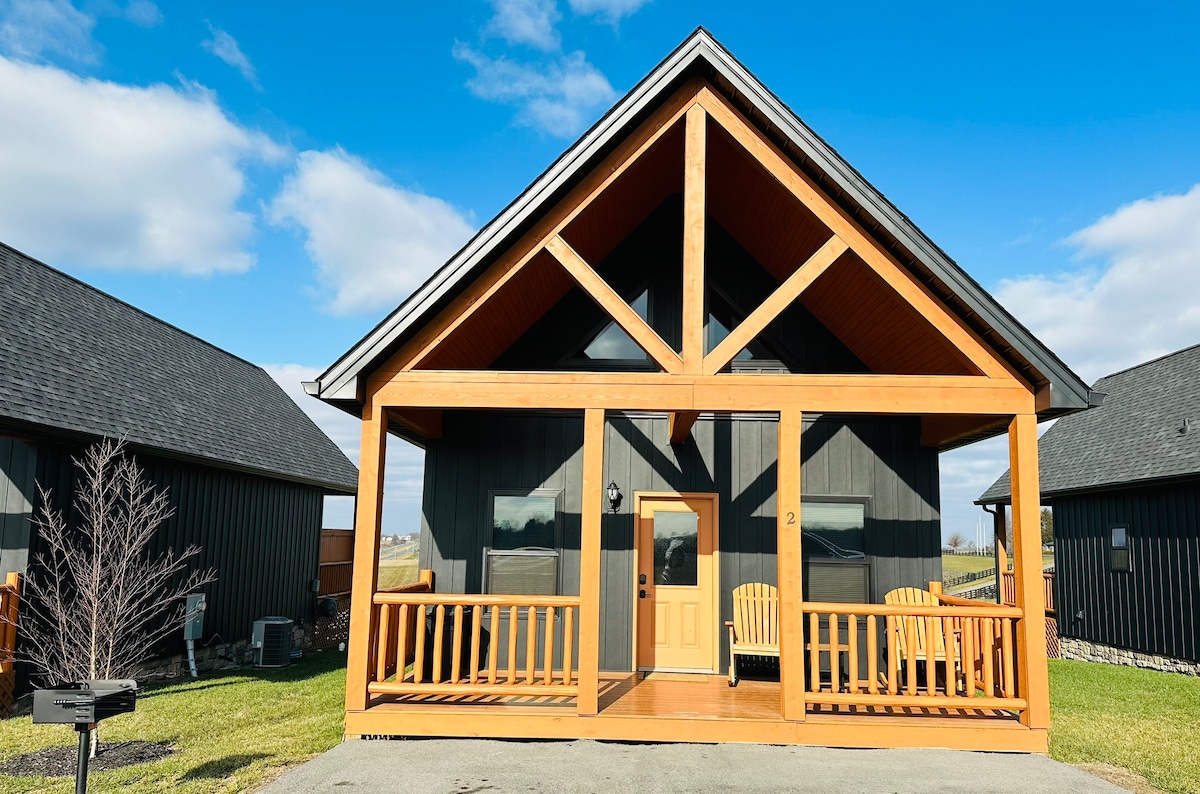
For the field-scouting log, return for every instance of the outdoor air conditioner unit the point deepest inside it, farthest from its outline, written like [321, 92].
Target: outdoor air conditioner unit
[272, 642]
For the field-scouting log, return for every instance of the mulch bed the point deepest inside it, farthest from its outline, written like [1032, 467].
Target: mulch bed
[60, 761]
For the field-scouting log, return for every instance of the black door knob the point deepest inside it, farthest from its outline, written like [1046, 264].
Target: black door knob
[641, 593]
[642, 578]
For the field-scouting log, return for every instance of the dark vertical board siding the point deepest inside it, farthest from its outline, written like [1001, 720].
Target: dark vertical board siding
[1152, 607]
[18, 467]
[733, 456]
[262, 536]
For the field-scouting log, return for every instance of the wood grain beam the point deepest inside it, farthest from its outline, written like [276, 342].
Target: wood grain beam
[1033, 676]
[368, 515]
[790, 568]
[680, 425]
[551, 225]
[783, 296]
[614, 305]
[587, 701]
[841, 225]
[693, 239]
[866, 394]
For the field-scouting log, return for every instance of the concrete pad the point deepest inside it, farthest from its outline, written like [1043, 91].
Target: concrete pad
[471, 766]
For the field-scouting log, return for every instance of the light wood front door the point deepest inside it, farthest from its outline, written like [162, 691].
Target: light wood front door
[675, 583]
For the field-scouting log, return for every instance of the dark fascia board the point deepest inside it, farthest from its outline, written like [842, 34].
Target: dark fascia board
[1048, 497]
[340, 382]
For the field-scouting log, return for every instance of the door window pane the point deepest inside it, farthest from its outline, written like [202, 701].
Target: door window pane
[676, 538]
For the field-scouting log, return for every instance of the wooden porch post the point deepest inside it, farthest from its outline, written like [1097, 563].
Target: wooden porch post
[368, 511]
[791, 618]
[1034, 677]
[587, 703]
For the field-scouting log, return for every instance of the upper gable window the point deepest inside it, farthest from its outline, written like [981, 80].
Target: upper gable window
[716, 334]
[613, 344]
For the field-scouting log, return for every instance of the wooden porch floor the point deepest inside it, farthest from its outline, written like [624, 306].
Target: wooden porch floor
[668, 696]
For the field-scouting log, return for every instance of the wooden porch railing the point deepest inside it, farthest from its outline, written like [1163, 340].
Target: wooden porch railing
[945, 656]
[464, 636]
[1008, 589]
[9, 596]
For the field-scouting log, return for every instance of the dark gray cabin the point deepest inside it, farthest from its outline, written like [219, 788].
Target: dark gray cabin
[247, 470]
[1124, 484]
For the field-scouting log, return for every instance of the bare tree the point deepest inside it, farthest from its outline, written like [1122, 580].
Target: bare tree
[955, 541]
[97, 603]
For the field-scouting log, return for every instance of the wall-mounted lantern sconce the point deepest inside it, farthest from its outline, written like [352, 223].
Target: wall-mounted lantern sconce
[614, 497]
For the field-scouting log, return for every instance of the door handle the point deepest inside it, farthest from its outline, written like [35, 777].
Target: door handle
[641, 578]
[641, 593]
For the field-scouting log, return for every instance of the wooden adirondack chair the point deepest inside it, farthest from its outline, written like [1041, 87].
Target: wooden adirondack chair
[915, 596]
[754, 630]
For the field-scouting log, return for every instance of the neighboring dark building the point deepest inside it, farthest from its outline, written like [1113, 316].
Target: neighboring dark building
[1124, 483]
[247, 470]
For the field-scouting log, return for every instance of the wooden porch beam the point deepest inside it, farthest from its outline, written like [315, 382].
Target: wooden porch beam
[368, 513]
[783, 296]
[788, 562]
[587, 701]
[915, 294]
[681, 425]
[694, 156]
[939, 431]
[614, 305]
[524, 250]
[1033, 677]
[864, 394]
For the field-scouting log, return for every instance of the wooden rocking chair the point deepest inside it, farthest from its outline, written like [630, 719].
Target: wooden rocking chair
[754, 630]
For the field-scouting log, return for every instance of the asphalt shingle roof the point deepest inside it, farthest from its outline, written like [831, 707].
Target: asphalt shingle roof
[1136, 435]
[76, 359]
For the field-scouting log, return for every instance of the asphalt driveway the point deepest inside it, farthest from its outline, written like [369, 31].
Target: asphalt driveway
[471, 766]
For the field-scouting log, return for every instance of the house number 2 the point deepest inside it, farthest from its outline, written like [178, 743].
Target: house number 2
[791, 518]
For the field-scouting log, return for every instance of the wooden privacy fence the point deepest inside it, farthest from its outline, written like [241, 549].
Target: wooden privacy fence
[945, 656]
[337, 561]
[9, 595]
[448, 644]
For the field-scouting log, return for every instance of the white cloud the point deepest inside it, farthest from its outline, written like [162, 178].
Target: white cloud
[403, 474]
[530, 22]
[101, 174]
[31, 28]
[608, 10]
[226, 48]
[559, 98]
[1142, 301]
[373, 241]
[142, 13]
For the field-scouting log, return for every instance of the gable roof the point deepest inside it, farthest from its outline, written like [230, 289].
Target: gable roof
[79, 361]
[1137, 435]
[701, 55]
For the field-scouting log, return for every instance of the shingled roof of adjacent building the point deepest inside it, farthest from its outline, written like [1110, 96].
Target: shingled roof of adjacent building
[77, 360]
[1147, 429]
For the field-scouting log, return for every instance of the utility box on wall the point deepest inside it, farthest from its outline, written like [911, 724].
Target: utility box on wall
[193, 627]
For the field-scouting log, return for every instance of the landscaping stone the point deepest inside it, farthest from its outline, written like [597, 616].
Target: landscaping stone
[1085, 651]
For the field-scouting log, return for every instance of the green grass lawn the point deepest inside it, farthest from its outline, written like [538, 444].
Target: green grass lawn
[963, 563]
[232, 731]
[1142, 720]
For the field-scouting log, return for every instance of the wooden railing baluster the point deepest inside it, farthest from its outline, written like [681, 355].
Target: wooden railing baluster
[381, 659]
[1006, 640]
[439, 631]
[456, 647]
[494, 648]
[476, 630]
[531, 639]
[402, 642]
[852, 640]
[514, 617]
[568, 644]
[548, 649]
[814, 651]
[419, 647]
[872, 654]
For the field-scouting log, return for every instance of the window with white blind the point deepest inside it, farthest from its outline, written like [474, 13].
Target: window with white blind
[522, 556]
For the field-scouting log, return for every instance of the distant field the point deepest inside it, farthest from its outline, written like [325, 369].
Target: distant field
[961, 563]
[397, 573]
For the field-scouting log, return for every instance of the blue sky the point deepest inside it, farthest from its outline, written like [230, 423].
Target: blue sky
[275, 179]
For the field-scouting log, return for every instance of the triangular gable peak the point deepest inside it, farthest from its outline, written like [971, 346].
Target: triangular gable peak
[701, 131]
[697, 145]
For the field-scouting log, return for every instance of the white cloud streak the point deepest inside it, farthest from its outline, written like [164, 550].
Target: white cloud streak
[95, 173]
[403, 474]
[225, 47]
[559, 98]
[1139, 302]
[529, 22]
[373, 241]
[31, 29]
[611, 11]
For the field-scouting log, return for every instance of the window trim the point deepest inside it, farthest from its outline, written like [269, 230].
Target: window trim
[1113, 550]
[556, 552]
